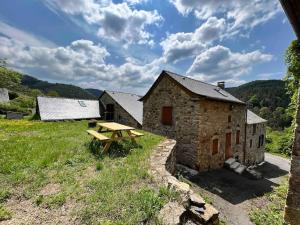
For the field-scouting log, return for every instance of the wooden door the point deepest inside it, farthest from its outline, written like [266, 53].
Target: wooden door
[228, 152]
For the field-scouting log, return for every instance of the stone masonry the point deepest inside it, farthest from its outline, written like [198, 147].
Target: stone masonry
[292, 210]
[120, 115]
[197, 121]
[255, 152]
[190, 208]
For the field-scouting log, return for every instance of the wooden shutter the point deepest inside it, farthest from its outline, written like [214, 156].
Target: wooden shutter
[238, 137]
[166, 117]
[215, 147]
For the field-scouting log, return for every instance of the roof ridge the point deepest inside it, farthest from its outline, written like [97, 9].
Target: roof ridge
[191, 78]
[79, 99]
[123, 92]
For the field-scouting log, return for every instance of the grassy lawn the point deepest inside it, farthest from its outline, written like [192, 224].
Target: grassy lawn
[271, 212]
[52, 168]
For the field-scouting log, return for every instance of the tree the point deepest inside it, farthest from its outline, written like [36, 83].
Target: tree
[3, 63]
[52, 94]
[254, 101]
[265, 113]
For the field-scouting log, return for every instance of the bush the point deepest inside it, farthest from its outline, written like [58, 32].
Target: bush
[99, 166]
[4, 213]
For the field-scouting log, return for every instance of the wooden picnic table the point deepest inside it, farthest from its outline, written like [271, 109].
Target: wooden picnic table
[116, 129]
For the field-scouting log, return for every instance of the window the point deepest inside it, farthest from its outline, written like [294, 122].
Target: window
[262, 140]
[254, 128]
[166, 117]
[82, 103]
[237, 138]
[251, 143]
[110, 112]
[215, 146]
[229, 119]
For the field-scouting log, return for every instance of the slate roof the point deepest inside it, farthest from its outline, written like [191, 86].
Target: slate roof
[252, 118]
[199, 88]
[4, 97]
[129, 102]
[292, 9]
[64, 108]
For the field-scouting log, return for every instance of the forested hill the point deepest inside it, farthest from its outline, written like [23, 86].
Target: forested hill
[24, 84]
[262, 93]
[268, 99]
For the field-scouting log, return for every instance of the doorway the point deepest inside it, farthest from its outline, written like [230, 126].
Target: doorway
[228, 152]
[110, 112]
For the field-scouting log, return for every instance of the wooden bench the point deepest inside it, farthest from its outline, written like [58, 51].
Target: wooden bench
[136, 134]
[98, 136]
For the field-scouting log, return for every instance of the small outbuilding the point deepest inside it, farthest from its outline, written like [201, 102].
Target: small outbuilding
[255, 142]
[52, 108]
[120, 107]
[4, 96]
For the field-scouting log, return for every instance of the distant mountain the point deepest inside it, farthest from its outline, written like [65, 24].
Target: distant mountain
[94, 92]
[269, 93]
[63, 90]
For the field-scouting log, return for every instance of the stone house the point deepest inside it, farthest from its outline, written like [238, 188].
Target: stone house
[255, 141]
[208, 123]
[124, 108]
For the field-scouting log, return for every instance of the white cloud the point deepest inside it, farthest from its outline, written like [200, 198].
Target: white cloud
[118, 22]
[82, 62]
[28, 38]
[220, 63]
[240, 13]
[180, 46]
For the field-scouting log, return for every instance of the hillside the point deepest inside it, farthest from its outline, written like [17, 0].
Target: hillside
[25, 88]
[270, 93]
[267, 98]
[94, 92]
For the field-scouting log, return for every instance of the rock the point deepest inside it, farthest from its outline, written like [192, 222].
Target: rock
[186, 171]
[196, 200]
[240, 169]
[234, 165]
[171, 213]
[228, 162]
[253, 174]
[210, 213]
[206, 215]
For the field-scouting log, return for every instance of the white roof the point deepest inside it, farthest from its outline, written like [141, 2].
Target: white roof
[130, 103]
[252, 118]
[65, 108]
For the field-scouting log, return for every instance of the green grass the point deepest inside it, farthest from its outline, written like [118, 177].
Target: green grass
[272, 213]
[107, 189]
[279, 142]
[4, 213]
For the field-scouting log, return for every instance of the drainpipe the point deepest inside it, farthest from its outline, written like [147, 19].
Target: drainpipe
[245, 139]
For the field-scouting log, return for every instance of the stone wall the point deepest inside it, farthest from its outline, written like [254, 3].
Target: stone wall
[196, 122]
[254, 153]
[292, 210]
[190, 208]
[120, 115]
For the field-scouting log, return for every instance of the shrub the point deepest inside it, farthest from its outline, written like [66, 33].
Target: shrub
[4, 213]
[99, 166]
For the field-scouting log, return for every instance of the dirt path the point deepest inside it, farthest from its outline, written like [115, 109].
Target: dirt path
[235, 195]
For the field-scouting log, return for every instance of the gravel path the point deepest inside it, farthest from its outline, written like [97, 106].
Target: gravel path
[234, 195]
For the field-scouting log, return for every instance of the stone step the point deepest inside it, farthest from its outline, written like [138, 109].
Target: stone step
[229, 161]
[240, 169]
[253, 174]
[234, 166]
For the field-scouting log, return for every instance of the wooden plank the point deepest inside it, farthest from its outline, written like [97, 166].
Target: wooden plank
[115, 126]
[98, 136]
[135, 133]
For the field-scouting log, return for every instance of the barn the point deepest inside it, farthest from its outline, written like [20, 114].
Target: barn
[53, 108]
[120, 107]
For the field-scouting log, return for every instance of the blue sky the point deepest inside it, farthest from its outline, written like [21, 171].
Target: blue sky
[124, 44]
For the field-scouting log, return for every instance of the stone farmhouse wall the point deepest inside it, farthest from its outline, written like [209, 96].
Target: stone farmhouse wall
[196, 123]
[190, 208]
[292, 210]
[120, 115]
[255, 154]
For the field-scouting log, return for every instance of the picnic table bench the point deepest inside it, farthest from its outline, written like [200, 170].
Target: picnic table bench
[117, 133]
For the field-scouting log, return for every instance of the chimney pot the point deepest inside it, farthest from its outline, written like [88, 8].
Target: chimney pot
[221, 84]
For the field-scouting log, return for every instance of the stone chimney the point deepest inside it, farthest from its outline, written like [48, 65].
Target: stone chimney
[221, 84]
